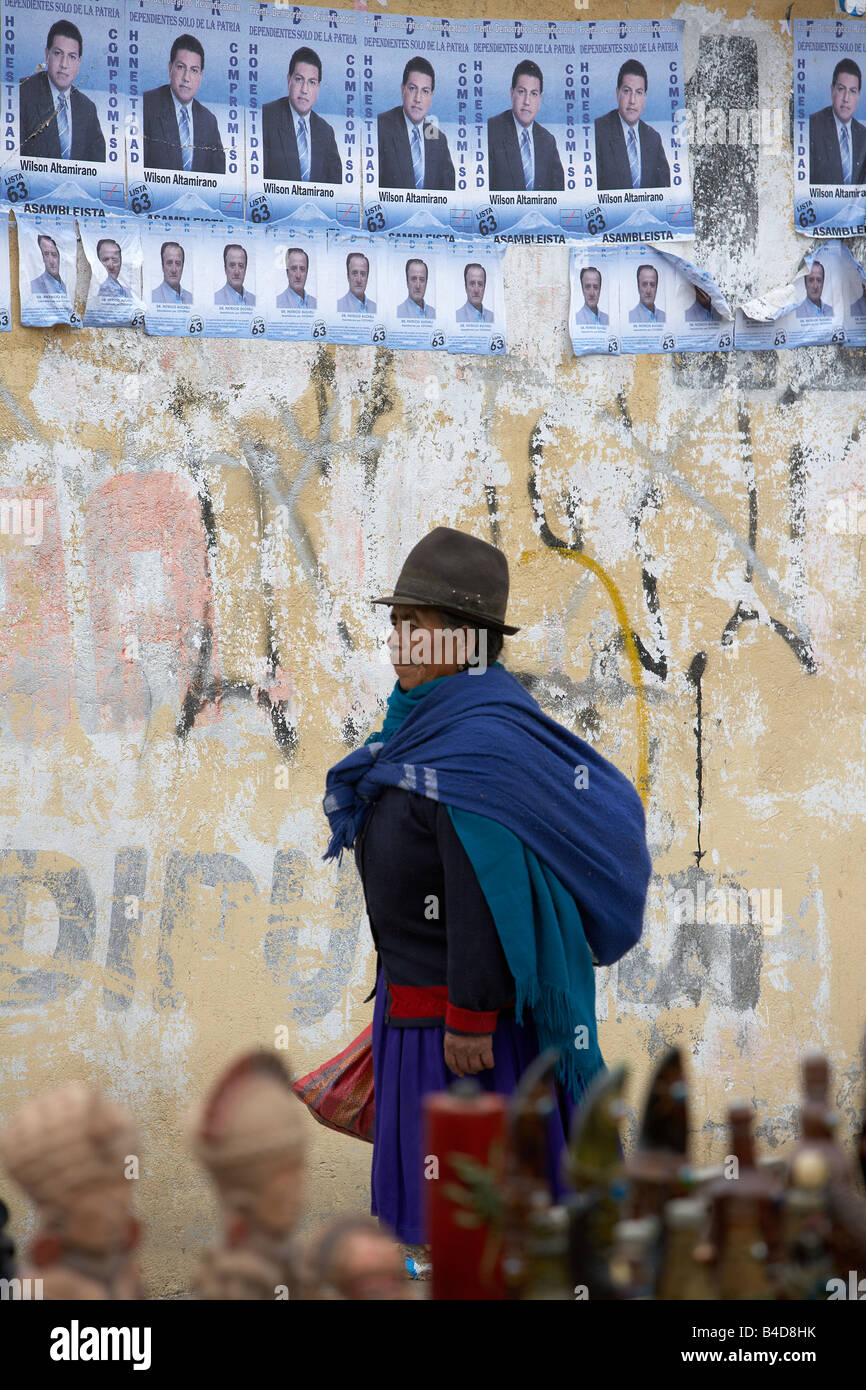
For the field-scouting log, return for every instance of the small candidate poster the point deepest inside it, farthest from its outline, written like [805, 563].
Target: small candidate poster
[809, 312]
[112, 246]
[473, 298]
[187, 95]
[229, 300]
[64, 84]
[171, 261]
[594, 315]
[423, 127]
[47, 254]
[829, 139]
[5, 277]
[635, 161]
[526, 74]
[852, 277]
[295, 289]
[413, 278]
[355, 312]
[642, 299]
[303, 118]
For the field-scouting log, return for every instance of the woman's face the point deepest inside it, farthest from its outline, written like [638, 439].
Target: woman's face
[421, 649]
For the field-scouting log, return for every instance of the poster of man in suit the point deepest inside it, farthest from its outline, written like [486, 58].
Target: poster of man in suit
[829, 127]
[47, 251]
[636, 160]
[68, 111]
[304, 118]
[530, 160]
[187, 93]
[416, 179]
[113, 251]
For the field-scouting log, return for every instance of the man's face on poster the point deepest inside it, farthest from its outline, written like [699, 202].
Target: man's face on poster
[815, 282]
[297, 266]
[236, 267]
[591, 286]
[647, 284]
[304, 87]
[631, 98]
[845, 94]
[417, 94]
[110, 257]
[476, 283]
[526, 99]
[172, 265]
[416, 281]
[359, 270]
[62, 61]
[185, 74]
[50, 256]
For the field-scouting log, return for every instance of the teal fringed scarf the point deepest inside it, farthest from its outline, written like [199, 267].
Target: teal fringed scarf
[538, 922]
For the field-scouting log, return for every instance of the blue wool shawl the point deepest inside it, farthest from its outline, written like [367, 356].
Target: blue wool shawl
[554, 832]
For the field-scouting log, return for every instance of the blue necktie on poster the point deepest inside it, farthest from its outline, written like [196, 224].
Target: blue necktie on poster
[526, 156]
[417, 158]
[304, 151]
[63, 126]
[846, 155]
[633, 160]
[185, 139]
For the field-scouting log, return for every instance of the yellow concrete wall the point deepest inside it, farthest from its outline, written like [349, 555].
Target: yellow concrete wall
[208, 505]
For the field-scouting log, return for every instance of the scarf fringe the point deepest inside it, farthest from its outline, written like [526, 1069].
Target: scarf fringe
[554, 1012]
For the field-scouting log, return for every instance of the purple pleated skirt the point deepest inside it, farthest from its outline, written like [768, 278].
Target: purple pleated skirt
[408, 1063]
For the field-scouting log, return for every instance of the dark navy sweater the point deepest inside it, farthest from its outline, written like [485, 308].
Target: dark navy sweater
[438, 946]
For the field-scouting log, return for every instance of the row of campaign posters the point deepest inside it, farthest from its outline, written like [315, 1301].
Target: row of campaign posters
[179, 278]
[342, 118]
[643, 299]
[504, 128]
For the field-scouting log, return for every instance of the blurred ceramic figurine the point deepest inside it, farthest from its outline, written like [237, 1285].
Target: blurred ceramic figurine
[75, 1155]
[354, 1258]
[250, 1137]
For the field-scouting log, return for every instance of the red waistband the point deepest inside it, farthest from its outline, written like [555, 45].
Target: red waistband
[418, 1001]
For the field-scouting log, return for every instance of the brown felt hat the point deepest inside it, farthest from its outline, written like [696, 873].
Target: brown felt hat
[458, 573]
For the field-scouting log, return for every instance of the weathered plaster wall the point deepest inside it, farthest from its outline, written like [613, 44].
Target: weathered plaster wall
[210, 507]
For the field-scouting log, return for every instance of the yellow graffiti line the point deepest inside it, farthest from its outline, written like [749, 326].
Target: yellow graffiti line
[613, 593]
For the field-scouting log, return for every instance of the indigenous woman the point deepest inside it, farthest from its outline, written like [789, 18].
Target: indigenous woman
[501, 858]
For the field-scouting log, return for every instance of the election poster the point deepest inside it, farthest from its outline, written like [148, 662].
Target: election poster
[64, 104]
[303, 118]
[413, 279]
[229, 299]
[112, 246]
[295, 286]
[813, 310]
[5, 278]
[594, 319]
[637, 183]
[355, 312]
[829, 140]
[187, 93]
[852, 277]
[171, 258]
[640, 299]
[526, 75]
[47, 254]
[423, 128]
[473, 298]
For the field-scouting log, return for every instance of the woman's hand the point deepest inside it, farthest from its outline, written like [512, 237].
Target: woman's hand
[465, 1056]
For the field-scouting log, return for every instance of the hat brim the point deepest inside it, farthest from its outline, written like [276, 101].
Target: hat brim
[507, 629]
